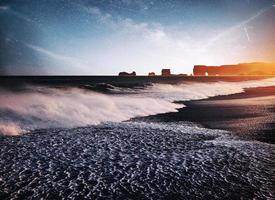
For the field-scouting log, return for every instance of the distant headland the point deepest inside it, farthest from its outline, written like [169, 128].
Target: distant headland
[241, 69]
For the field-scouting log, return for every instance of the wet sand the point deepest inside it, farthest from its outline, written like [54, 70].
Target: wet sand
[250, 114]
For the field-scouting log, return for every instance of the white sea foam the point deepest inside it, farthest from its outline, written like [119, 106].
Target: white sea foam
[73, 108]
[76, 107]
[195, 91]
[10, 128]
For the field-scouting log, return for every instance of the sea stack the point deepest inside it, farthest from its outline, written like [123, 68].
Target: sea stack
[127, 74]
[165, 72]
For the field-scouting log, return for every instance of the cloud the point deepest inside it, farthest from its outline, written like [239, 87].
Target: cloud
[15, 13]
[73, 64]
[4, 8]
[141, 44]
[127, 28]
[106, 19]
[123, 24]
[59, 57]
[93, 10]
[23, 17]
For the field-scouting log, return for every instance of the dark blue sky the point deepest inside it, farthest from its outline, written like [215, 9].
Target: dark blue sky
[108, 36]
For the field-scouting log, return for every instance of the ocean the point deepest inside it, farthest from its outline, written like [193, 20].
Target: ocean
[84, 138]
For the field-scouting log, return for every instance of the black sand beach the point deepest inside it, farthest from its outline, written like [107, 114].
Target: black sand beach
[250, 114]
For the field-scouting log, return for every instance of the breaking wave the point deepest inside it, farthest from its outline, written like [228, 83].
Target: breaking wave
[44, 107]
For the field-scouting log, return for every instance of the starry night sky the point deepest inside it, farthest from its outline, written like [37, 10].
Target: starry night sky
[103, 37]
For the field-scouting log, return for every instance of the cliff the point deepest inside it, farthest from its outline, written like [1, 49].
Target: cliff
[242, 69]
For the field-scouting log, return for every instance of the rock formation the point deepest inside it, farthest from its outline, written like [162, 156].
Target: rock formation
[242, 69]
[166, 72]
[127, 74]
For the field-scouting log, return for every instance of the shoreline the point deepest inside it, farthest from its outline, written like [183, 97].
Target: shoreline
[124, 81]
[250, 115]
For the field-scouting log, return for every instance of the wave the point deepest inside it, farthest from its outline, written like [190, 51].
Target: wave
[113, 89]
[197, 91]
[73, 108]
[45, 107]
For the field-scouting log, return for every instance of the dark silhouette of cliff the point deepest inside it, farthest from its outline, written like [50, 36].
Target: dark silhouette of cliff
[151, 74]
[166, 72]
[242, 69]
[127, 74]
